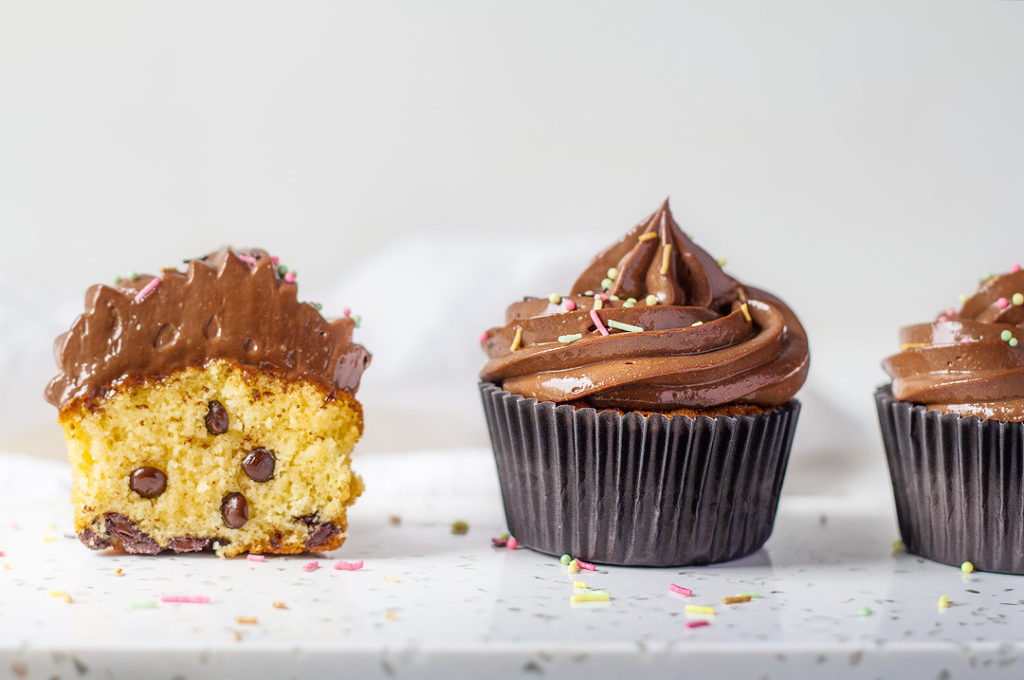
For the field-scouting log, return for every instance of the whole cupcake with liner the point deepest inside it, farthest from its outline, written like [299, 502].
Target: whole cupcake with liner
[953, 427]
[646, 417]
[210, 410]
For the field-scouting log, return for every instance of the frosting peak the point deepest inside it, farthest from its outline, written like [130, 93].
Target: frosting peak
[653, 323]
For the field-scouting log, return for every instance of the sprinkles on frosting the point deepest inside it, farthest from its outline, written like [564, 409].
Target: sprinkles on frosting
[569, 339]
[570, 305]
[628, 327]
[248, 259]
[518, 340]
[651, 300]
[1017, 299]
[647, 236]
[597, 322]
[146, 290]
[666, 254]
[555, 298]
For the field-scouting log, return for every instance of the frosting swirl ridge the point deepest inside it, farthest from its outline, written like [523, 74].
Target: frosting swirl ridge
[653, 323]
[971, 362]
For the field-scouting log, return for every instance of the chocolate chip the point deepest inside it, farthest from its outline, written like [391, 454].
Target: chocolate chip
[92, 541]
[216, 418]
[321, 534]
[131, 537]
[234, 510]
[258, 464]
[189, 544]
[148, 482]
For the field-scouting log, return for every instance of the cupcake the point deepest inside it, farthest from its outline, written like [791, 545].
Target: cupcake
[953, 427]
[646, 417]
[209, 410]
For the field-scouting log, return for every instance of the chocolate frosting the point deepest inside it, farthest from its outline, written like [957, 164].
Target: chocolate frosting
[227, 305]
[961, 362]
[707, 341]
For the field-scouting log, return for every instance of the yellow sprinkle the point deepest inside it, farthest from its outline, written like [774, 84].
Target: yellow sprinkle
[595, 596]
[555, 299]
[391, 579]
[251, 620]
[579, 584]
[50, 526]
[912, 345]
[696, 323]
[280, 605]
[648, 236]
[722, 262]
[6, 566]
[742, 294]
[699, 609]
[518, 339]
[598, 303]
[61, 594]
[736, 599]
[944, 602]
[49, 539]
[574, 567]
[665, 255]
[963, 298]
[613, 273]
[897, 546]
[651, 300]
[391, 616]
[967, 567]
[746, 312]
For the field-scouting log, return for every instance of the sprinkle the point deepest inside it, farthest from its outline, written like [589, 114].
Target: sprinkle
[607, 283]
[950, 312]
[311, 566]
[722, 261]
[483, 336]
[499, 542]
[570, 305]
[597, 322]
[897, 546]
[588, 293]
[282, 270]
[943, 318]
[696, 323]
[146, 290]
[1012, 342]
[119, 572]
[627, 304]
[289, 277]
[391, 616]
[912, 345]
[665, 261]
[574, 567]
[579, 584]
[1015, 268]
[342, 565]
[598, 303]
[944, 602]
[49, 539]
[61, 594]
[1005, 335]
[1017, 299]
[555, 299]
[698, 609]
[1002, 303]
[965, 340]
[629, 328]
[967, 567]
[347, 311]
[248, 259]
[275, 260]
[459, 527]
[752, 594]
[736, 599]
[512, 544]
[647, 236]
[142, 604]
[50, 526]
[2, 555]
[280, 605]
[395, 520]
[988, 275]
[134, 276]
[569, 339]
[613, 273]
[697, 624]
[864, 611]
[518, 340]
[741, 293]
[117, 280]
[586, 566]
[189, 599]
[255, 558]
[565, 559]
[391, 579]
[249, 620]
[680, 590]
[594, 596]
[963, 298]
[651, 300]
[746, 312]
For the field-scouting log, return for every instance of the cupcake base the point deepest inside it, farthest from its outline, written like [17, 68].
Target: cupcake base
[635, 490]
[958, 484]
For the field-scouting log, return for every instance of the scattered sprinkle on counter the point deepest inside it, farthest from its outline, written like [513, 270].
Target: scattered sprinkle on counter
[944, 602]
[864, 611]
[49, 539]
[142, 604]
[460, 528]
[736, 599]
[280, 605]
[512, 543]
[311, 566]
[698, 624]
[255, 558]
[391, 579]
[897, 546]
[565, 559]
[395, 520]
[348, 566]
[247, 620]
[752, 594]
[391, 616]
[579, 584]
[63, 594]
[587, 566]
[592, 596]
[187, 599]
[119, 572]
[699, 609]
[967, 567]
[680, 590]
[573, 567]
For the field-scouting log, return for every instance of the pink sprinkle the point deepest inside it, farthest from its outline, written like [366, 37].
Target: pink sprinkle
[483, 335]
[965, 340]
[1015, 268]
[146, 290]
[943, 318]
[347, 311]
[1002, 303]
[950, 312]
[602, 297]
[1, 553]
[311, 566]
[348, 566]
[190, 599]
[597, 322]
[290, 277]
[680, 590]
[255, 558]
[585, 565]
[511, 544]
[275, 259]
[248, 259]
[570, 305]
[697, 624]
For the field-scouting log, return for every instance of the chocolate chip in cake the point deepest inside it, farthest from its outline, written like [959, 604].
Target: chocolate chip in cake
[90, 539]
[321, 534]
[189, 544]
[216, 418]
[234, 510]
[132, 538]
[148, 482]
[258, 464]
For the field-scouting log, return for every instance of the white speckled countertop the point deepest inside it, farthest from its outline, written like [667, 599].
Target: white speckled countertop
[432, 604]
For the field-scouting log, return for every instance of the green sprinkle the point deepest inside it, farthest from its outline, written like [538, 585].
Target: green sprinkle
[555, 299]
[607, 283]
[1006, 336]
[282, 270]
[865, 611]
[143, 604]
[722, 261]
[613, 297]
[1012, 342]
[358, 320]
[751, 593]
[134, 276]
[624, 326]
[651, 300]
[589, 293]
[117, 280]
[988, 275]
[633, 300]
[613, 273]
[569, 339]
[459, 527]
[696, 323]
[629, 303]
[1017, 299]
[318, 306]
[565, 559]
[967, 567]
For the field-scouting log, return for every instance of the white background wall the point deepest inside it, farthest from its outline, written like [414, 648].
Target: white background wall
[427, 162]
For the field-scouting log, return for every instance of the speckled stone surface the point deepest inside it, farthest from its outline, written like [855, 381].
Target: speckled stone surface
[429, 603]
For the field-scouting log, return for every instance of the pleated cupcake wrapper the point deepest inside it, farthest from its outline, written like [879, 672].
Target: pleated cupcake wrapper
[958, 484]
[637, 490]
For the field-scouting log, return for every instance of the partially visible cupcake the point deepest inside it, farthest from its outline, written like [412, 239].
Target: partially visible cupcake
[953, 426]
[646, 417]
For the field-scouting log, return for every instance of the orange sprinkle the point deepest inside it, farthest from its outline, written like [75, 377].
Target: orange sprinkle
[518, 340]
[742, 294]
[647, 236]
[736, 599]
[665, 255]
[280, 605]
[247, 620]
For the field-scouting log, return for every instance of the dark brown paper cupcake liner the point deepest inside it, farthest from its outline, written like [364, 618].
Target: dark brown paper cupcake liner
[637, 490]
[958, 484]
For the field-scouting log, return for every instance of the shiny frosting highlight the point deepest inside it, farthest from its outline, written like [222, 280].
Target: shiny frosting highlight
[970, 362]
[681, 333]
[234, 305]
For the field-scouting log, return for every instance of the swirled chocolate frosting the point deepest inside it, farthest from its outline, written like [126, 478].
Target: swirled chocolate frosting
[970, 362]
[235, 305]
[653, 324]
